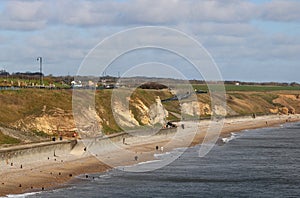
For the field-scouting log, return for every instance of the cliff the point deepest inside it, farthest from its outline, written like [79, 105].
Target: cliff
[38, 112]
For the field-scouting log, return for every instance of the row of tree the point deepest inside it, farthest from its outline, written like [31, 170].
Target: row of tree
[69, 79]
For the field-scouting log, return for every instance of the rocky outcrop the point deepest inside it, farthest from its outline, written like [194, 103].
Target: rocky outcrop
[288, 104]
[283, 110]
[89, 123]
[155, 114]
[56, 121]
[158, 113]
[144, 111]
[123, 115]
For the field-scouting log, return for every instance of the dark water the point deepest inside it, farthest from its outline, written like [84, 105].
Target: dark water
[258, 163]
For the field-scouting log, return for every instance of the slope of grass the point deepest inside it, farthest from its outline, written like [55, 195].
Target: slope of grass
[4, 139]
[17, 104]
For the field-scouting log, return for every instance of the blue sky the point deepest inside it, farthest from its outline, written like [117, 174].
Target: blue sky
[249, 40]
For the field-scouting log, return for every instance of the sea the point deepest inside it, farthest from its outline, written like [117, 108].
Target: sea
[253, 163]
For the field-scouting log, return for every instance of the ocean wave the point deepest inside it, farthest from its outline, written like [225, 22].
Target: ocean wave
[106, 176]
[23, 195]
[180, 149]
[157, 155]
[148, 162]
[228, 139]
[138, 164]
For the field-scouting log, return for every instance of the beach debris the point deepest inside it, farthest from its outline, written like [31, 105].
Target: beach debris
[20, 185]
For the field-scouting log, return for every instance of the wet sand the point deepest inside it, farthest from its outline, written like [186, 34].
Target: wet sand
[57, 171]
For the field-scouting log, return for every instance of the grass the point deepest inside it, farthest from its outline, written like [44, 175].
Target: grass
[4, 139]
[103, 108]
[257, 88]
[17, 104]
[41, 134]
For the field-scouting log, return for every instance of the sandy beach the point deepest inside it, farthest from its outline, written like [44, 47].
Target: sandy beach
[54, 171]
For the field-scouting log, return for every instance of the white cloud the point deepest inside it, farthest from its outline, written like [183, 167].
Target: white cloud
[131, 12]
[63, 31]
[228, 29]
[22, 15]
[281, 10]
[24, 10]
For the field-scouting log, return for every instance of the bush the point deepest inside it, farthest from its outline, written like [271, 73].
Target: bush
[153, 85]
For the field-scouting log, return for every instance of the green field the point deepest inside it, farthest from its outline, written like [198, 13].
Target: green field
[249, 88]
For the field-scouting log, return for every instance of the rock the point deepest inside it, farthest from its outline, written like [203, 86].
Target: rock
[219, 110]
[158, 113]
[292, 110]
[284, 110]
[274, 111]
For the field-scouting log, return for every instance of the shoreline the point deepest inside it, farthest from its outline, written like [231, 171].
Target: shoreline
[59, 172]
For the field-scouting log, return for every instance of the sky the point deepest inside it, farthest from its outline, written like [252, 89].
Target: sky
[250, 40]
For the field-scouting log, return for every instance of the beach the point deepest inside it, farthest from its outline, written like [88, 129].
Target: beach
[54, 171]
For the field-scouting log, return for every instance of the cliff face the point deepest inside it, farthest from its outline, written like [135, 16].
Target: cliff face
[54, 121]
[51, 111]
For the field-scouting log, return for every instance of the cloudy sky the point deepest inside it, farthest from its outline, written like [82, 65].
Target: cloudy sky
[250, 40]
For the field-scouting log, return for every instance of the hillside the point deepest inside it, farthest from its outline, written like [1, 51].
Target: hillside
[41, 112]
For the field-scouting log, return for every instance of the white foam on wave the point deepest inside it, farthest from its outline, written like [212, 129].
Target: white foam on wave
[228, 139]
[160, 159]
[157, 155]
[23, 195]
[148, 162]
[106, 175]
[140, 167]
[180, 149]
